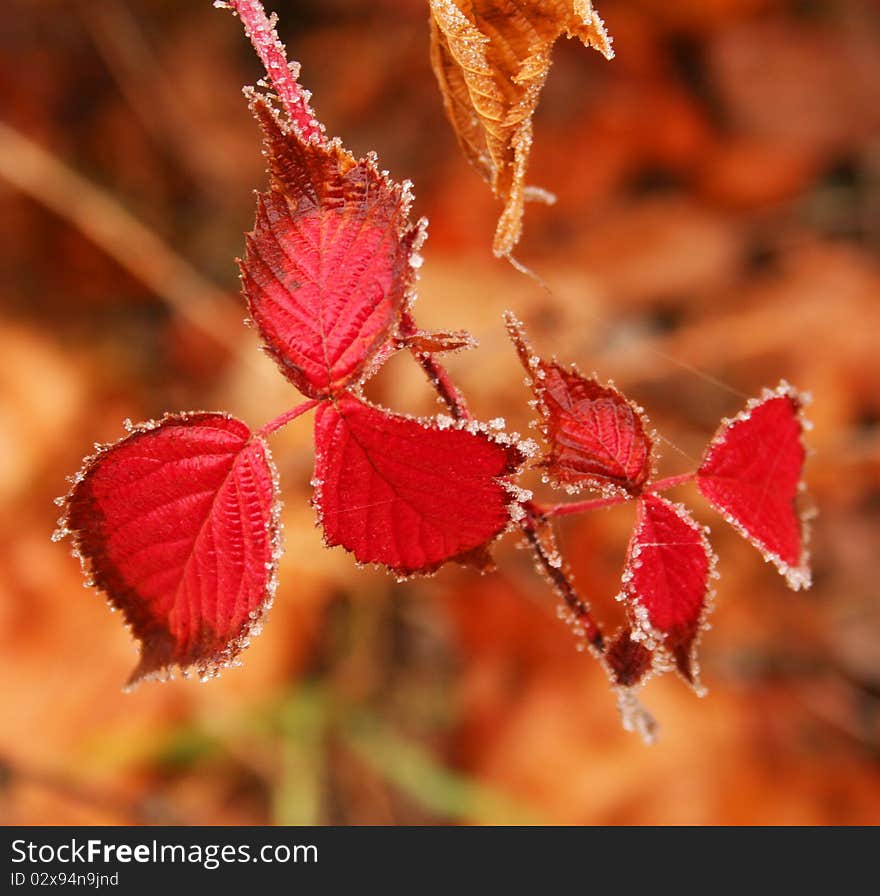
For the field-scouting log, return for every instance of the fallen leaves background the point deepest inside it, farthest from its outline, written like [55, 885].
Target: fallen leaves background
[719, 209]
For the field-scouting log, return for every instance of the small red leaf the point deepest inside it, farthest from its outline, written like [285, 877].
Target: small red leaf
[596, 437]
[751, 474]
[330, 261]
[410, 494]
[628, 661]
[176, 523]
[666, 581]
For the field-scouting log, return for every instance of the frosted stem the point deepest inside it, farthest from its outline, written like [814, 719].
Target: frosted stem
[663, 485]
[260, 30]
[287, 417]
[550, 510]
[565, 587]
[103, 219]
[437, 374]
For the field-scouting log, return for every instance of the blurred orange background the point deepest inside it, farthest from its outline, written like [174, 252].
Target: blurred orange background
[717, 229]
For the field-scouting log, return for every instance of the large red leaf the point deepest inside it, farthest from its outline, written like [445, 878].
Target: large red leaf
[177, 524]
[666, 581]
[596, 437]
[330, 261]
[751, 474]
[407, 493]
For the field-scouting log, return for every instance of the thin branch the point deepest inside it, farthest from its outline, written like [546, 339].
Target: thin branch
[436, 373]
[578, 606]
[287, 417]
[663, 485]
[260, 31]
[545, 511]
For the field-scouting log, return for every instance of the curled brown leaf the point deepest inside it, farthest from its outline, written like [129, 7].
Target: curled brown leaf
[491, 58]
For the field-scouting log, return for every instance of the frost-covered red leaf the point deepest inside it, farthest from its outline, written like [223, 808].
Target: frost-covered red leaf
[330, 261]
[407, 493]
[491, 59]
[176, 523]
[596, 438]
[751, 474]
[666, 582]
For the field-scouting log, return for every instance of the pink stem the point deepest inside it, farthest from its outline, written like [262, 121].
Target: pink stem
[287, 417]
[663, 485]
[548, 510]
[260, 30]
[564, 586]
[437, 374]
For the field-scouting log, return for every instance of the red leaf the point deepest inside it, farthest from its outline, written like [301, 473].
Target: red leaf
[666, 581]
[330, 261]
[410, 494]
[176, 523]
[436, 341]
[596, 437]
[751, 474]
[260, 30]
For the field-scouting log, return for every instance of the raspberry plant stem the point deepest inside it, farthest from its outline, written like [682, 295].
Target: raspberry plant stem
[260, 30]
[563, 585]
[437, 374]
[287, 417]
[568, 509]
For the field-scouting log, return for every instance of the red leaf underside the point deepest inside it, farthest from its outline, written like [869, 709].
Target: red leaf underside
[406, 493]
[666, 580]
[628, 661]
[751, 474]
[329, 263]
[177, 525]
[596, 437]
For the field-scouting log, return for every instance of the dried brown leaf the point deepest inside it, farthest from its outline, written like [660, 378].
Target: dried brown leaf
[491, 58]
